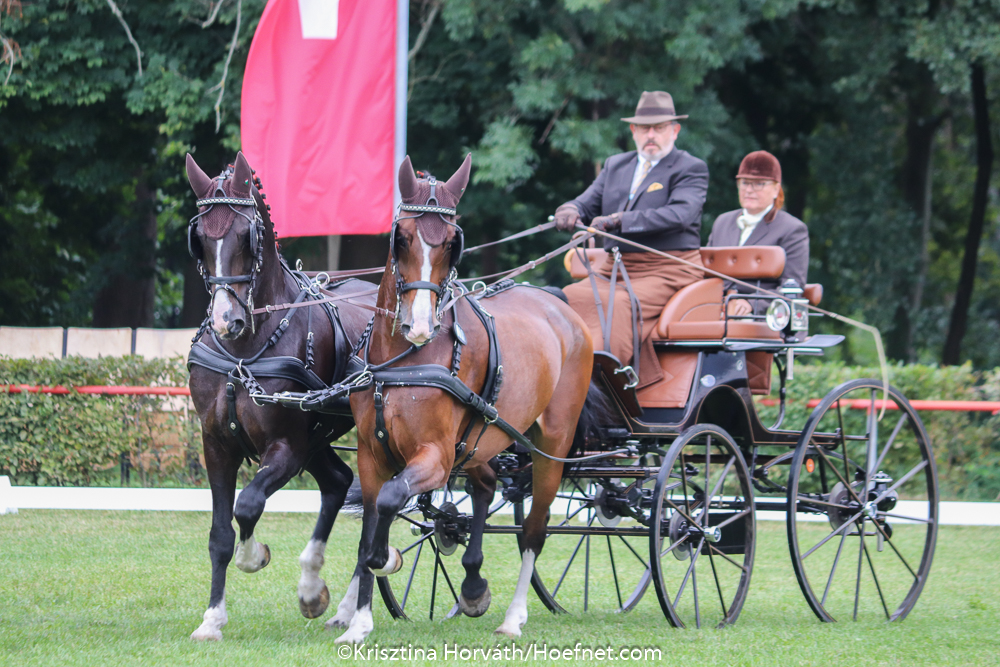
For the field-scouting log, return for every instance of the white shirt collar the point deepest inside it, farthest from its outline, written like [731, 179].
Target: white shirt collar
[748, 220]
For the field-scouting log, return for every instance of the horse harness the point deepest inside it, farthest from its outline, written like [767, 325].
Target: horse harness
[197, 252]
[257, 365]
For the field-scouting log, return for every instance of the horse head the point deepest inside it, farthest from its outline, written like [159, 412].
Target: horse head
[228, 238]
[425, 246]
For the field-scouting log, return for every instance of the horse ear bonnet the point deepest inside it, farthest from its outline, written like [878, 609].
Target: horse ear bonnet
[215, 223]
[432, 228]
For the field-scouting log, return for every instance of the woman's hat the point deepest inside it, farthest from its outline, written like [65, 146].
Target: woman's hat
[654, 108]
[760, 165]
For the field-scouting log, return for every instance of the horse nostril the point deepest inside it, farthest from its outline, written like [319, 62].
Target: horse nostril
[235, 327]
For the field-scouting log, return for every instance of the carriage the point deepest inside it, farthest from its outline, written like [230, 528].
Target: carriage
[677, 504]
[670, 484]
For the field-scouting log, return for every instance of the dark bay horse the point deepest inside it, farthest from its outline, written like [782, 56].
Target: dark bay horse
[408, 431]
[233, 240]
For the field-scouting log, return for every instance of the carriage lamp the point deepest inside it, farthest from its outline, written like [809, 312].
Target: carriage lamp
[800, 315]
[778, 315]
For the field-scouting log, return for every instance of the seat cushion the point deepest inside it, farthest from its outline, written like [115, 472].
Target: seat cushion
[716, 330]
[700, 301]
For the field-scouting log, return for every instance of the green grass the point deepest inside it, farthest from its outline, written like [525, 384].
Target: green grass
[111, 588]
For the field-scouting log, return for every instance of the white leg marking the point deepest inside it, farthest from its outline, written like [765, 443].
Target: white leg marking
[361, 627]
[392, 565]
[422, 326]
[311, 560]
[211, 626]
[250, 556]
[347, 606]
[517, 612]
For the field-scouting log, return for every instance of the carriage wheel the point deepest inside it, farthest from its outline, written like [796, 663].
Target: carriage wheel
[702, 552]
[866, 498]
[601, 566]
[432, 541]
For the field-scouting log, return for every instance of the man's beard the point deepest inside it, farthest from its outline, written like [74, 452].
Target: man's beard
[659, 153]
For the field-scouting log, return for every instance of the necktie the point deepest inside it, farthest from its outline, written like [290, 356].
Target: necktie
[642, 176]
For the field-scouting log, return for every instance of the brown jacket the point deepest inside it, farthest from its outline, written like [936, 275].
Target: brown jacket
[784, 230]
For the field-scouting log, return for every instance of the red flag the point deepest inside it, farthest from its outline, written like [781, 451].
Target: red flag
[319, 114]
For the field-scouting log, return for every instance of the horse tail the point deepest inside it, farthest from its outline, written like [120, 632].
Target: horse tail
[597, 411]
[353, 502]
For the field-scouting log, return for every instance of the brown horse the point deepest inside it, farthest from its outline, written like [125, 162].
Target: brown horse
[232, 239]
[408, 434]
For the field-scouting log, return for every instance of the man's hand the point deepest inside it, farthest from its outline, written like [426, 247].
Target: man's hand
[607, 223]
[566, 217]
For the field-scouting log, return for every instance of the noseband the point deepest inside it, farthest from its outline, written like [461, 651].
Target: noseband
[225, 283]
[430, 206]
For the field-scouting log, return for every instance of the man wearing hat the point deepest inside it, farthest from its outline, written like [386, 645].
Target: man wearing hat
[652, 195]
[762, 221]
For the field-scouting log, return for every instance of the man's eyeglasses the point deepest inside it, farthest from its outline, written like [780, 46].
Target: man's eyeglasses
[657, 129]
[752, 184]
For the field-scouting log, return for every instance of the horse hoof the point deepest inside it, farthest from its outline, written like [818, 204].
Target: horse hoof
[267, 556]
[393, 565]
[337, 624]
[316, 608]
[475, 608]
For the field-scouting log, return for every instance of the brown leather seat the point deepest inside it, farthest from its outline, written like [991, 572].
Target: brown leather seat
[813, 292]
[698, 302]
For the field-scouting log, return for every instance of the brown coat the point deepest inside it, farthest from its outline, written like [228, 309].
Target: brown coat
[785, 230]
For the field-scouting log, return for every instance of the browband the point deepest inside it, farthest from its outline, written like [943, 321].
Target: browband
[428, 209]
[232, 201]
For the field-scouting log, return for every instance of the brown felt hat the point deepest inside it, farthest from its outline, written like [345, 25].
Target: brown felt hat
[760, 165]
[654, 108]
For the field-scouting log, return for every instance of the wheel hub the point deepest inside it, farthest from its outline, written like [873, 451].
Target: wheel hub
[677, 529]
[446, 535]
[840, 495]
[607, 515]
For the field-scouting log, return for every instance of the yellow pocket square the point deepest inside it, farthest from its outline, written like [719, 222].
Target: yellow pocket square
[654, 187]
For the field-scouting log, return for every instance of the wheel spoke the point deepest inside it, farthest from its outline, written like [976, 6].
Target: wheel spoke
[833, 569]
[718, 586]
[674, 546]
[413, 570]
[719, 482]
[843, 439]
[836, 532]
[555, 591]
[687, 503]
[679, 510]
[877, 586]
[843, 480]
[434, 580]
[885, 536]
[902, 480]
[892, 438]
[687, 575]
[694, 590]
[420, 541]
[571, 516]
[733, 518]
[857, 585]
[872, 440]
[444, 572]
[814, 501]
[634, 553]
[711, 547]
[614, 571]
[586, 576]
[708, 498]
[905, 518]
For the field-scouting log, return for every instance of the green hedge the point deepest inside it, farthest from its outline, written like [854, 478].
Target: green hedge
[966, 445]
[82, 439]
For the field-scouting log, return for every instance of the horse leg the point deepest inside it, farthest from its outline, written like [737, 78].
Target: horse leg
[334, 477]
[475, 597]
[355, 611]
[222, 471]
[425, 472]
[279, 464]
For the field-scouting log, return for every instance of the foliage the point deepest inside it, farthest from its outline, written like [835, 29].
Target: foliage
[966, 445]
[866, 104]
[51, 439]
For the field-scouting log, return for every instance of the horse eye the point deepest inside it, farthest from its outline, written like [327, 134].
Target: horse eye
[401, 242]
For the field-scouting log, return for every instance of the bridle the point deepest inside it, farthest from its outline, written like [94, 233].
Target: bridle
[430, 206]
[225, 283]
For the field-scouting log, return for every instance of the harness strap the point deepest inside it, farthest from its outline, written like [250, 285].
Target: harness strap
[381, 432]
[286, 368]
[235, 427]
